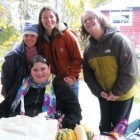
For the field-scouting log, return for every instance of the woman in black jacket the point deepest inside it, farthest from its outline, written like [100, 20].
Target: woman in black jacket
[14, 68]
[39, 94]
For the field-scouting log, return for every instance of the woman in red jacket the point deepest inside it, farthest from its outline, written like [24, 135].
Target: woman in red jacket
[61, 47]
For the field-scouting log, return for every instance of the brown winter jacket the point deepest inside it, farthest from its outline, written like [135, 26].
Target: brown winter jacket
[64, 54]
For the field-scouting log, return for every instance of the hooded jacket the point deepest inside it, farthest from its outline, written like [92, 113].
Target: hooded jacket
[66, 103]
[110, 65]
[14, 68]
[63, 53]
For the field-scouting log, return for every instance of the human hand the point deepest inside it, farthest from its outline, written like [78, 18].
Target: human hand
[109, 97]
[69, 81]
[22, 113]
[59, 125]
[60, 121]
[104, 95]
[112, 97]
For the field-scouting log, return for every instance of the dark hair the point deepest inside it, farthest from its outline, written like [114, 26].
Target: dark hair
[101, 18]
[41, 28]
[37, 58]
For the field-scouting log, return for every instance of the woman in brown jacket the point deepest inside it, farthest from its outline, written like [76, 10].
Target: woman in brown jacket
[61, 47]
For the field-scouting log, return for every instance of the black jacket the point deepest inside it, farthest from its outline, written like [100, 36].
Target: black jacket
[14, 68]
[66, 102]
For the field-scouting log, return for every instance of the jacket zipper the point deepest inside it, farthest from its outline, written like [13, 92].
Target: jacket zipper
[51, 48]
[99, 65]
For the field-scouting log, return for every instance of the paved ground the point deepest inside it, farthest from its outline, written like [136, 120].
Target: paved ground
[91, 111]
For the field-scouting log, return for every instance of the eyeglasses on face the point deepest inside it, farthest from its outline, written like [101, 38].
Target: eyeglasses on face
[89, 19]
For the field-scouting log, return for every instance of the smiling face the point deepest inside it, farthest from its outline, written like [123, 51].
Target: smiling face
[91, 23]
[30, 40]
[49, 21]
[40, 72]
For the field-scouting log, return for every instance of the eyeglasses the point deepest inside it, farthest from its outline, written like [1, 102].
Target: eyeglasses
[89, 19]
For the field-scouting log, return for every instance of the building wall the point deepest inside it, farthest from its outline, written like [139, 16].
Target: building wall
[132, 32]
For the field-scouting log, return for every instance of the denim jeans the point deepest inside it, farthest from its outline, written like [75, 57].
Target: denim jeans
[75, 87]
[133, 126]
